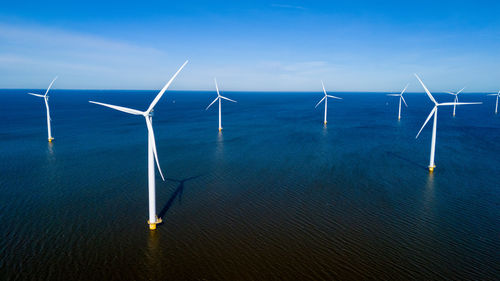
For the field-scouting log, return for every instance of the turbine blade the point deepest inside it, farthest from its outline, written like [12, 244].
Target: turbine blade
[150, 130]
[403, 100]
[458, 103]
[460, 90]
[394, 95]
[216, 87]
[212, 103]
[405, 88]
[451, 93]
[323, 85]
[427, 120]
[120, 108]
[426, 90]
[160, 94]
[320, 101]
[488, 94]
[334, 97]
[50, 86]
[42, 96]
[228, 99]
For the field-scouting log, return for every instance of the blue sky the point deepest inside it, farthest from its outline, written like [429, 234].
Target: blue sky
[251, 45]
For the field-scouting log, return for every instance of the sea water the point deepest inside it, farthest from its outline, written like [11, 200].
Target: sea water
[276, 195]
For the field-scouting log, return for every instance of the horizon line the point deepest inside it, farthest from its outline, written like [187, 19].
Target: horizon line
[239, 91]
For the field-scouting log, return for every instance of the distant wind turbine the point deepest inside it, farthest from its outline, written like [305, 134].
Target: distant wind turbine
[456, 99]
[148, 115]
[46, 99]
[496, 106]
[400, 99]
[218, 98]
[434, 112]
[325, 98]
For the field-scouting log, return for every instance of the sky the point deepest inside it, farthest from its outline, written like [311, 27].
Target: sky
[251, 45]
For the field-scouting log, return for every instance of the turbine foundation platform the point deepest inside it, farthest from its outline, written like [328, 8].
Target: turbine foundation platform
[431, 168]
[50, 139]
[152, 225]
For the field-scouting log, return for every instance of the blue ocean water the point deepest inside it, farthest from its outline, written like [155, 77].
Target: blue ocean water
[276, 195]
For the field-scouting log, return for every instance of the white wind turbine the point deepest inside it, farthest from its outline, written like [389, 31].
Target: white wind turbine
[46, 99]
[148, 115]
[325, 98]
[400, 99]
[496, 106]
[456, 99]
[434, 112]
[219, 97]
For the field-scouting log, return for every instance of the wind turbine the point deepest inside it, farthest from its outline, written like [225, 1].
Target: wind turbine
[325, 98]
[148, 115]
[434, 112]
[219, 97]
[46, 99]
[496, 106]
[400, 99]
[456, 99]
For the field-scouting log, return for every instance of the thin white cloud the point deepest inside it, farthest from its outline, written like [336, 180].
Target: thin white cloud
[285, 6]
[31, 54]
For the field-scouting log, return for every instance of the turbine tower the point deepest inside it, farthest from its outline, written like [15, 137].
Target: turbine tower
[456, 99]
[496, 106]
[325, 98]
[400, 99]
[148, 115]
[434, 112]
[46, 99]
[218, 98]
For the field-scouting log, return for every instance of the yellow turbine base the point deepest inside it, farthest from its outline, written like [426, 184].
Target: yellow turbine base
[220, 129]
[325, 122]
[50, 140]
[431, 169]
[152, 225]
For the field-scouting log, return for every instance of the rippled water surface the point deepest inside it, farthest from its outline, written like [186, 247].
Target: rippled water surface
[276, 196]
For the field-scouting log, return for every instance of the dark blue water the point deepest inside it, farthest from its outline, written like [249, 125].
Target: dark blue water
[276, 196]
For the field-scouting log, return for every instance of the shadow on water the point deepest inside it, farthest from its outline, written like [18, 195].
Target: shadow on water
[407, 160]
[177, 193]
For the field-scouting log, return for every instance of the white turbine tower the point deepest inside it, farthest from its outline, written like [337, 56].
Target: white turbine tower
[496, 106]
[456, 99]
[46, 99]
[400, 99]
[218, 98]
[148, 115]
[325, 98]
[434, 112]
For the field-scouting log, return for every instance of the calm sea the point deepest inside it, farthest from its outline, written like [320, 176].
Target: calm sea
[276, 196]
